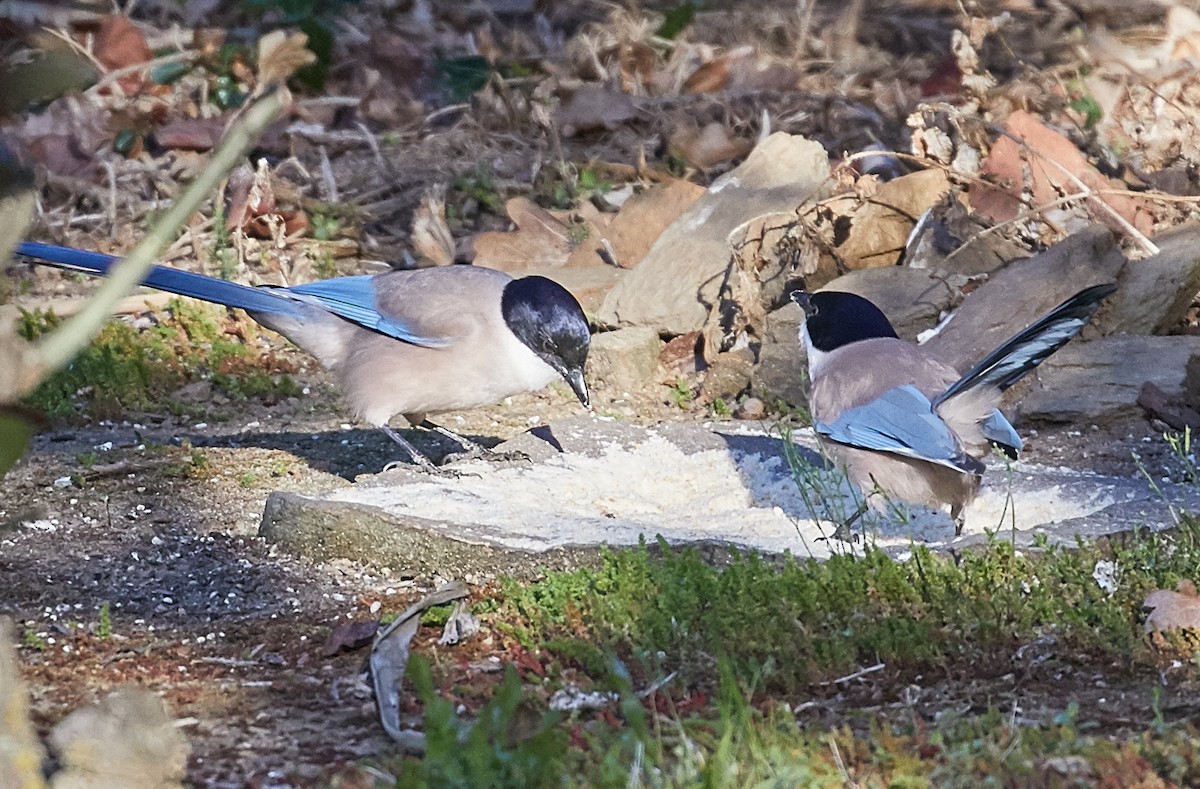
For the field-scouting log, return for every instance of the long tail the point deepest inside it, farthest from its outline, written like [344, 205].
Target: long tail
[184, 283]
[1010, 362]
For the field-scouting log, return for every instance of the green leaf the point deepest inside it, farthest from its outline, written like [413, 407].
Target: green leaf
[461, 77]
[677, 18]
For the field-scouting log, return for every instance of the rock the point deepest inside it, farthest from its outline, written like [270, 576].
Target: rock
[681, 357]
[625, 360]
[600, 482]
[674, 287]
[751, 408]
[1024, 291]
[642, 219]
[21, 753]
[1156, 292]
[588, 284]
[781, 370]
[912, 299]
[127, 740]
[1099, 380]
[727, 376]
[1191, 394]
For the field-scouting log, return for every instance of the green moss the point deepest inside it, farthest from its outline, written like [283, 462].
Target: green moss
[125, 370]
[814, 620]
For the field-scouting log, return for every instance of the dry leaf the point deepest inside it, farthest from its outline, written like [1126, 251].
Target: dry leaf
[120, 44]
[880, 225]
[1179, 610]
[282, 54]
[707, 147]
[540, 240]
[430, 236]
[1056, 168]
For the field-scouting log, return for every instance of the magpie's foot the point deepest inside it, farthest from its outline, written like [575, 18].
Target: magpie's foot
[490, 455]
[843, 533]
[426, 466]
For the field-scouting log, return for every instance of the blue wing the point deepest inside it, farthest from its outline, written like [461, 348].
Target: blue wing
[900, 421]
[353, 298]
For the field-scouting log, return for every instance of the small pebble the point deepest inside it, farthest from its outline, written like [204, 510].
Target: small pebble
[751, 408]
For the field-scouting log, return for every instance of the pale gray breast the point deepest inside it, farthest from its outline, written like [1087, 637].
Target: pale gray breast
[857, 373]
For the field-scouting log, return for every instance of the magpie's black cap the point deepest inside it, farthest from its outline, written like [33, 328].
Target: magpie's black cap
[834, 318]
[548, 319]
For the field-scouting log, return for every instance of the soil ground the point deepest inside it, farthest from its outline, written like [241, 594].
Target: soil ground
[233, 633]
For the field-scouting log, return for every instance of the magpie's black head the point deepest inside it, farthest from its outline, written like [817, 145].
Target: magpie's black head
[548, 319]
[834, 318]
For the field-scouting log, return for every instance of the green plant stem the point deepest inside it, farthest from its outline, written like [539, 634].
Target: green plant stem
[59, 347]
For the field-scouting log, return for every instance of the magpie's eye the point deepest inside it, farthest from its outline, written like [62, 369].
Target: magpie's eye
[548, 345]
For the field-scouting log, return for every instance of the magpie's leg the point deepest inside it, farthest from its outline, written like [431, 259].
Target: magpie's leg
[422, 462]
[956, 512]
[843, 531]
[473, 449]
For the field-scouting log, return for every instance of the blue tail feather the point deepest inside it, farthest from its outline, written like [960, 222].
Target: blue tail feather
[183, 283]
[350, 298]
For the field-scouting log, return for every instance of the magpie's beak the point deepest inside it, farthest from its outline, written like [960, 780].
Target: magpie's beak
[801, 298]
[574, 377]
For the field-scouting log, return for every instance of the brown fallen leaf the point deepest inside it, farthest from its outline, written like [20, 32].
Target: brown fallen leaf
[280, 55]
[191, 134]
[119, 44]
[1056, 168]
[881, 223]
[540, 240]
[349, 637]
[254, 207]
[708, 146]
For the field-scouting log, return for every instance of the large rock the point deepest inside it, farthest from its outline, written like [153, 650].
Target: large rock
[780, 373]
[1022, 292]
[1155, 293]
[625, 360]
[674, 287]
[127, 740]
[595, 482]
[1097, 381]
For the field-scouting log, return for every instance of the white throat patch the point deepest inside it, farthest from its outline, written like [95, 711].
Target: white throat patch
[816, 358]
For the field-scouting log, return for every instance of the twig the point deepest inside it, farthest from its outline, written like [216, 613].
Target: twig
[857, 674]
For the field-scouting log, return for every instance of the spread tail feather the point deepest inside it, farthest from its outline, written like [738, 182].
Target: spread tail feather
[1010, 362]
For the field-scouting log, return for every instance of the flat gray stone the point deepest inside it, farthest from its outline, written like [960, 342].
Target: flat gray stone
[1024, 291]
[781, 370]
[595, 482]
[1155, 292]
[1097, 381]
[676, 284]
